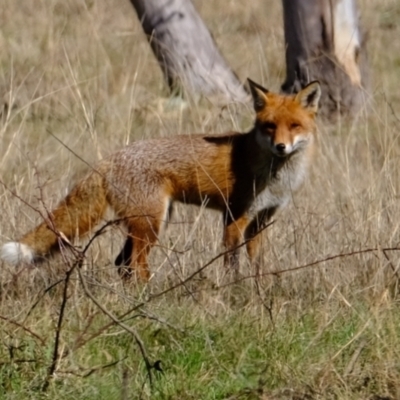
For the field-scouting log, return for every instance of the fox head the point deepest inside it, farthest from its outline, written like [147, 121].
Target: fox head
[285, 124]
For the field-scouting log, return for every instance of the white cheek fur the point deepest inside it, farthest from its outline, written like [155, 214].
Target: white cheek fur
[303, 140]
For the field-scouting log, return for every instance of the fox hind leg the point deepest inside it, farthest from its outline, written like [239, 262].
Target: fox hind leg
[125, 255]
[142, 237]
[124, 258]
[143, 232]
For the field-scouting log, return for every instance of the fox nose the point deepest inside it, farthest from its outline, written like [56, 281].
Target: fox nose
[280, 147]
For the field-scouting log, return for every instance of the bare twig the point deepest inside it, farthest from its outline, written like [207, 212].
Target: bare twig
[181, 283]
[54, 362]
[391, 108]
[45, 291]
[129, 329]
[42, 341]
[22, 200]
[91, 370]
[395, 272]
[314, 263]
[268, 307]
[206, 265]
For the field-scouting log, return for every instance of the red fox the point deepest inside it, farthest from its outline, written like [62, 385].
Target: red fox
[247, 176]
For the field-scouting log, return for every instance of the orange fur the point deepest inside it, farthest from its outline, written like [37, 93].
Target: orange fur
[247, 176]
[76, 215]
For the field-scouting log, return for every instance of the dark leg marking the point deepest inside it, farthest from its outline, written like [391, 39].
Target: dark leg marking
[125, 255]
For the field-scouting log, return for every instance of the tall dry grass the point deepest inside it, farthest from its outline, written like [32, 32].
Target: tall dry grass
[78, 81]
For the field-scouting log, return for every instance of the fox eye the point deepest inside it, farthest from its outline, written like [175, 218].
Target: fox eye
[294, 125]
[269, 126]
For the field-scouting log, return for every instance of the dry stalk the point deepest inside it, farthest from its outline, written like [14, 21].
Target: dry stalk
[129, 329]
[53, 366]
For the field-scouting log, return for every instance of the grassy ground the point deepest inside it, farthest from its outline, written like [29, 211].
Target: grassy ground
[322, 321]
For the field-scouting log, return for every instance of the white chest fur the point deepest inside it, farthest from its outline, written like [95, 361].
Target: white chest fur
[280, 188]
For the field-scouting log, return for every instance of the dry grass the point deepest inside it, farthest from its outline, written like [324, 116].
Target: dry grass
[80, 81]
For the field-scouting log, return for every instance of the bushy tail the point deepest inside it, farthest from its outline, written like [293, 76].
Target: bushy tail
[77, 214]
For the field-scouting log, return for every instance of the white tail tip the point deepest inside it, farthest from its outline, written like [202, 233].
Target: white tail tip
[17, 253]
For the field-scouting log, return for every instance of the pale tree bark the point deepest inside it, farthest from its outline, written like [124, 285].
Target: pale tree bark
[324, 42]
[186, 51]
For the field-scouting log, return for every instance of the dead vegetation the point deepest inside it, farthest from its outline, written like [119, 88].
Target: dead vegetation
[77, 82]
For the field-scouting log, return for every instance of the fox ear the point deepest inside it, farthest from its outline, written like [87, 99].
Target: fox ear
[309, 96]
[259, 95]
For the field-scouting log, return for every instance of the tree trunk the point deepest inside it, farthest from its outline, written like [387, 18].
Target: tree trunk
[186, 50]
[323, 42]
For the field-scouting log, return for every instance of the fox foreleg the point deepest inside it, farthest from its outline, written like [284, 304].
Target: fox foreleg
[233, 237]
